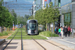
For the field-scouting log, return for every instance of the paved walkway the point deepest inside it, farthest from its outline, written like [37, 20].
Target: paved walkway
[32, 45]
[67, 41]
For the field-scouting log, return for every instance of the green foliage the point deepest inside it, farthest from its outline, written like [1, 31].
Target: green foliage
[48, 34]
[19, 19]
[14, 16]
[1, 2]
[31, 17]
[5, 17]
[48, 15]
[4, 33]
[27, 16]
[18, 35]
[1, 34]
[22, 19]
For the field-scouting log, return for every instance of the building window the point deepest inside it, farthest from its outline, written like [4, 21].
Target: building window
[67, 19]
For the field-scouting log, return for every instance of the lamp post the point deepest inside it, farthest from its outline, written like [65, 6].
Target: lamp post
[34, 5]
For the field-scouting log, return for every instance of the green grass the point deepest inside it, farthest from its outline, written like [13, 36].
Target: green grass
[28, 37]
[38, 37]
[19, 33]
[5, 33]
[20, 37]
[48, 34]
[25, 36]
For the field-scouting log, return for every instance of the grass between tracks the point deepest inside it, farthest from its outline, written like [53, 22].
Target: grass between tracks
[25, 36]
[48, 34]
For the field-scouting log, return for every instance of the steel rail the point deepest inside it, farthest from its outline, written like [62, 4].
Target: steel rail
[21, 40]
[39, 44]
[54, 45]
[10, 40]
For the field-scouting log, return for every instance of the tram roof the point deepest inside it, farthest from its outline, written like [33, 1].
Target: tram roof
[30, 20]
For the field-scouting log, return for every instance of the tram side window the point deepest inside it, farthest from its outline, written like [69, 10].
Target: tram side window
[27, 27]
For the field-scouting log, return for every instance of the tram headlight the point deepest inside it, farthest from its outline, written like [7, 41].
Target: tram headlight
[29, 31]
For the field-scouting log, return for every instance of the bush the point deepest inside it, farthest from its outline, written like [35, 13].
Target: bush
[0, 34]
[4, 33]
[48, 34]
[39, 31]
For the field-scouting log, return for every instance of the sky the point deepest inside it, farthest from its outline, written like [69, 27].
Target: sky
[21, 7]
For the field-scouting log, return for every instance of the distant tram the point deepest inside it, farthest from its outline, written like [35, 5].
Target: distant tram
[32, 27]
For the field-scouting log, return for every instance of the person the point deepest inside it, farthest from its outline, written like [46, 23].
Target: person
[61, 32]
[55, 30]
[65, 31]
[69, 30]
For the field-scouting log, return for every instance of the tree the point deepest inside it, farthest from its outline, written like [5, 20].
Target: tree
[14, 16]
[5, 17]
[22, 20]
[31, 17]
[48, 15]
[27, 16]
[1, 2]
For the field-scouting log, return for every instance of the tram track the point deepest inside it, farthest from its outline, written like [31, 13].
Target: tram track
[42, 44]
[12, 39]
[47, 42]
[54, 44]
[39, 44]
[21, 40]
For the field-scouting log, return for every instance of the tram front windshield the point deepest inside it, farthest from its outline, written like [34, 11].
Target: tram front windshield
[32, 26]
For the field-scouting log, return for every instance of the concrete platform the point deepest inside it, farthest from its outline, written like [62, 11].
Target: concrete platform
[2, 41]
[67, 41]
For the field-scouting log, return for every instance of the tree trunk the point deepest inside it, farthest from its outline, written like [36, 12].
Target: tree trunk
[49, 26]
[9, 29]
[46, 26]
[0, 29]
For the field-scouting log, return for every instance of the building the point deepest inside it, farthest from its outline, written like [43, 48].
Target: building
[66, 9]
[67, 12]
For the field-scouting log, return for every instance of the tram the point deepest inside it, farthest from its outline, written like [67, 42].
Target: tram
[32, 27]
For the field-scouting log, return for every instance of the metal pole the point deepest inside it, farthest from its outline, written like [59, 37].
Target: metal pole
[72, 32]
[43, 3]
[34, 5]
